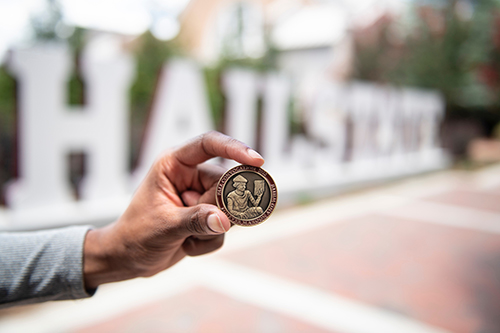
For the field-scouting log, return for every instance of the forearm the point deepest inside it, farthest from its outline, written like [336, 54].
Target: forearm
[41, 266]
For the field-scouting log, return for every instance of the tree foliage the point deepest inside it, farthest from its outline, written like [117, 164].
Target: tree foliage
[443, 50]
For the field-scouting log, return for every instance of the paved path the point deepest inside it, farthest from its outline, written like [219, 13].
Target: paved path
[420, 255]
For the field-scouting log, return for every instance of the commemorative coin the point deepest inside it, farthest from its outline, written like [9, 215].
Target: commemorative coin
[247, 195]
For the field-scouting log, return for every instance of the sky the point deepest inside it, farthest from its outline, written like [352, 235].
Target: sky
[124, 16]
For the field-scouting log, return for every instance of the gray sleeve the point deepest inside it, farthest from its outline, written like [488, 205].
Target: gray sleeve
[42, 266]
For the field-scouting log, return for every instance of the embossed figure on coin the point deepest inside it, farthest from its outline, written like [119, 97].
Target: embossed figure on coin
[241, 203]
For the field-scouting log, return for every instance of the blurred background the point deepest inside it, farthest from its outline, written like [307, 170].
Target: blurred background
[380, 121]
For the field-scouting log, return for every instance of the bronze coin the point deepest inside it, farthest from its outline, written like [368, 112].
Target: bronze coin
[247, 195]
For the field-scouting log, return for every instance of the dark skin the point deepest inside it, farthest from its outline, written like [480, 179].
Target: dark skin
[172, 214]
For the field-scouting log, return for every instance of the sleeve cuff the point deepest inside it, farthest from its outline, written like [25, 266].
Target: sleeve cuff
[74, 239]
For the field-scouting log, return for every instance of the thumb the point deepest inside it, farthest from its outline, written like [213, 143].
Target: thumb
[203, 219]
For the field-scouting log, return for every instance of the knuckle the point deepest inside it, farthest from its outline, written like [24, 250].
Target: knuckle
[210, 134]
[231, 145]
[207, 136]
[164, 156]
[196, 223]
[200, 138]
[233, 141]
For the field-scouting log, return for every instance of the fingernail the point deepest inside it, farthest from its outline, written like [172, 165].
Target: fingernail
[254, 154]
[215, 224]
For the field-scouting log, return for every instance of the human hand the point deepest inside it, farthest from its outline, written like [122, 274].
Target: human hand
[171, 215]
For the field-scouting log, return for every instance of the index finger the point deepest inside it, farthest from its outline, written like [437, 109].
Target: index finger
[215, 144]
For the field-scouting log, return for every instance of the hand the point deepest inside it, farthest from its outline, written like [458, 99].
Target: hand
[259, 192]
[171, 215]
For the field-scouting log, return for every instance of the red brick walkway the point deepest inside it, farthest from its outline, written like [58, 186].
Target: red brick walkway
[370, 262]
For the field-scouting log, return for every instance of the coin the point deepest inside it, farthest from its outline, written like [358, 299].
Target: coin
[247, 195]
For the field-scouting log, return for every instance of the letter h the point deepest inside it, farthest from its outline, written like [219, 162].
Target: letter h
[48, 131]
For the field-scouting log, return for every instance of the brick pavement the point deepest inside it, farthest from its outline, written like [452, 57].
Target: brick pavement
[200, 310]
[483, 200]
[366, 262]
[436, 274]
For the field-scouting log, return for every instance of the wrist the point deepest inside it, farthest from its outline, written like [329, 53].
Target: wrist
[94, 260]
[101, 263]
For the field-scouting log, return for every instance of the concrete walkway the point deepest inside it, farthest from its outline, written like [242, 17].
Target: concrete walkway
[419, 255]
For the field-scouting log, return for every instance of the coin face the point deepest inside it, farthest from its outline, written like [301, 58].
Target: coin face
[247, 195]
